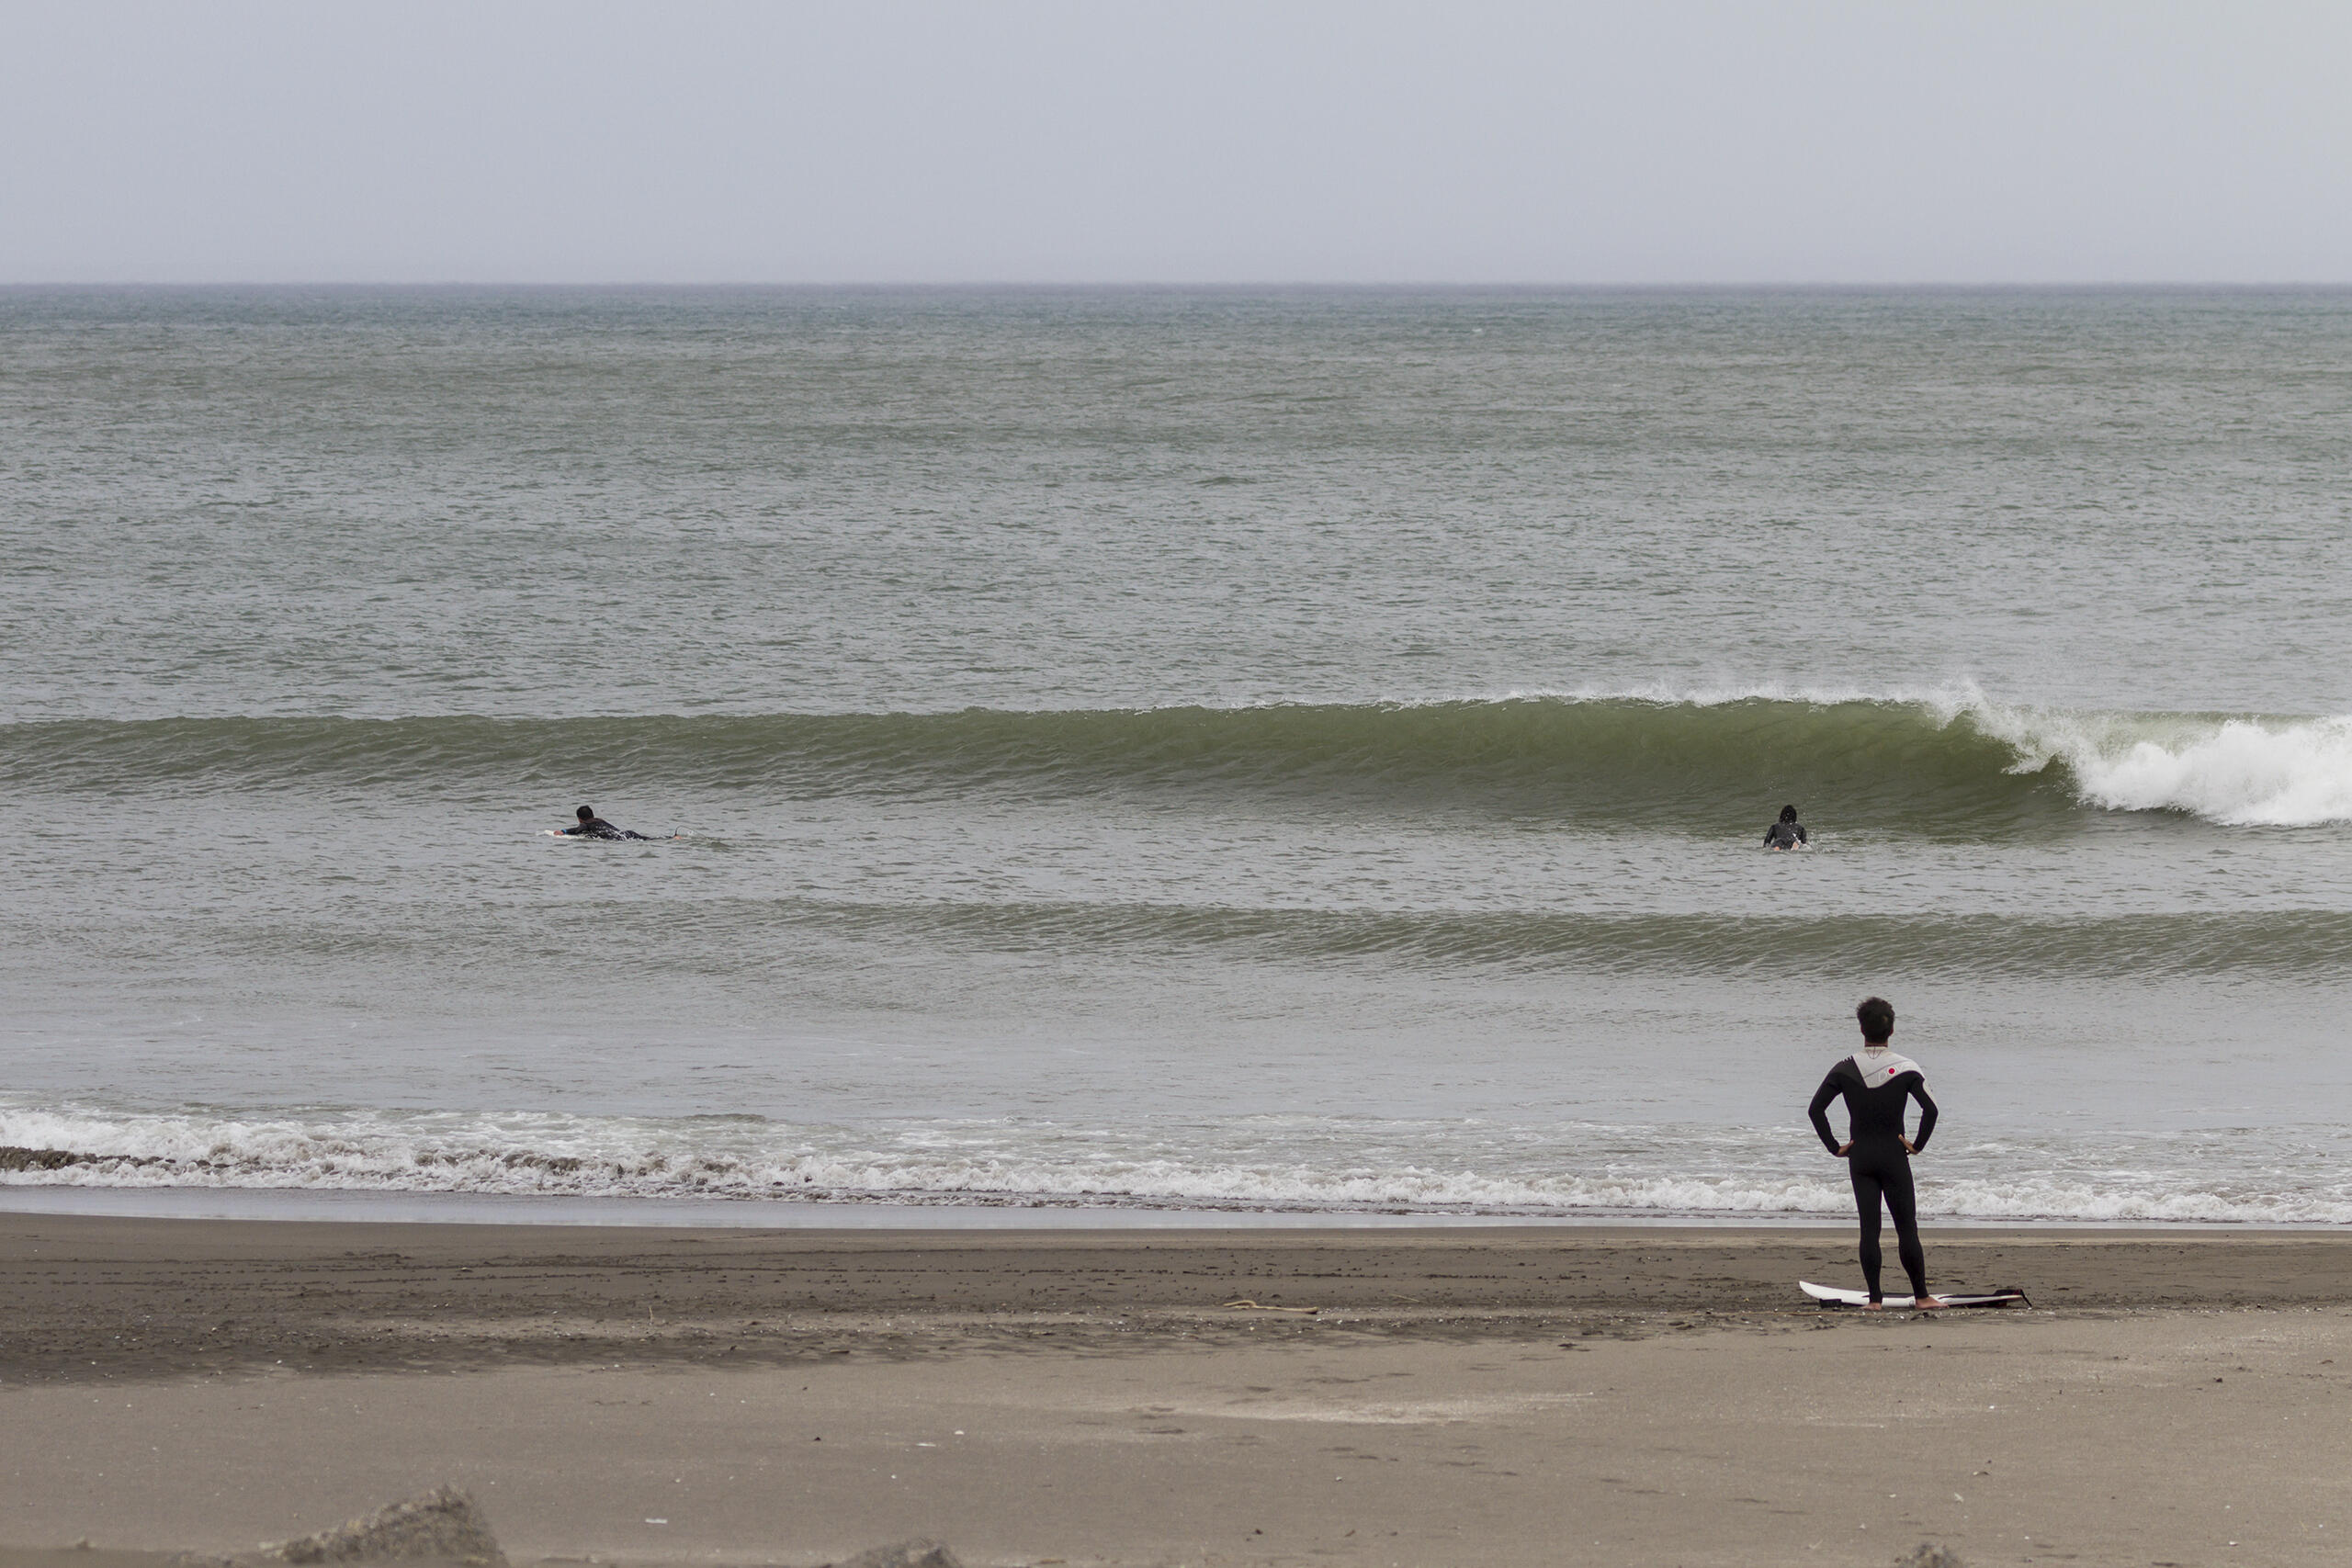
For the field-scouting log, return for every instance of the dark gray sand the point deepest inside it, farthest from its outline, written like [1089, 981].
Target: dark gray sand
[104, 1298]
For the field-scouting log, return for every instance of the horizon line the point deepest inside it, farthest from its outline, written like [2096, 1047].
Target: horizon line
[1169, 283]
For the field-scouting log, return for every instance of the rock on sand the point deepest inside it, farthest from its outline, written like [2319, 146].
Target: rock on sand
[445, 1523]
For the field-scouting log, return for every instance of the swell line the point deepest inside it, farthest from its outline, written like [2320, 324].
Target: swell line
[706, 937]
[1964, 765]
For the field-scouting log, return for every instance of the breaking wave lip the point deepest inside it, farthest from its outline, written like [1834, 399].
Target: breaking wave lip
[1947, 759]
[600, 1158]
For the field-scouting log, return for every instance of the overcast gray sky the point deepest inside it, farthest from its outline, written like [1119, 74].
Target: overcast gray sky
[1027, 139]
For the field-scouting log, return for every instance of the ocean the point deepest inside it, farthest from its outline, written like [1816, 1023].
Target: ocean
[1222, 752]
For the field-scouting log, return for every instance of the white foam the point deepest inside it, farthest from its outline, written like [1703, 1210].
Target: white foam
[2236, 771]
[1760, 1173]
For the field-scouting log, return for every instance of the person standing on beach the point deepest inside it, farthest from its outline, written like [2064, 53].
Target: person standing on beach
[1877, 1085]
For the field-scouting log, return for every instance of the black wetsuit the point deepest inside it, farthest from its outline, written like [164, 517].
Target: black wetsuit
[597, 827]
[1879, 1165]
[1784, 836]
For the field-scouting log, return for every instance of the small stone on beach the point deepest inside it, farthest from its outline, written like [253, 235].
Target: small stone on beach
[443, 1524]
[917, 1553]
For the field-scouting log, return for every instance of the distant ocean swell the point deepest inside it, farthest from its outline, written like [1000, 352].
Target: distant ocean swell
[2183, 1179]
[1948, 763]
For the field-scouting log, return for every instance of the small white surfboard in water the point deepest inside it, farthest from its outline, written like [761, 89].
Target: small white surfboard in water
[2009, 1296]
[561, 836]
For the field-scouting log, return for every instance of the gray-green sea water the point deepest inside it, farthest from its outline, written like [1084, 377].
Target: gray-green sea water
[1222, 748]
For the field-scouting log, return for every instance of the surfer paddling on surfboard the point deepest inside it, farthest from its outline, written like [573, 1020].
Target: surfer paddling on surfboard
[1877, 1085]
[592, 826]
[1788, 833]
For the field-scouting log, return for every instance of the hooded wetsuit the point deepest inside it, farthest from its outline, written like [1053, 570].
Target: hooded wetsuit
[597, 827]
[1875, 1085]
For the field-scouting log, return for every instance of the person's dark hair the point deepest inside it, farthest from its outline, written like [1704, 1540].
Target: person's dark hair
[586, 814]
[1876, 1015]
[1788, 814]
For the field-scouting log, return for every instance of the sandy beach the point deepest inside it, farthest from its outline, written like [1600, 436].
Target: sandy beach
[1553, 1394]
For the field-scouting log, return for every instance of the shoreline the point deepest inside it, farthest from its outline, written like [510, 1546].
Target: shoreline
[368, 1205]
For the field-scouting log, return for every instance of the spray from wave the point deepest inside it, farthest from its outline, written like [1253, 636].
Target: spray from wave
[2236, 771]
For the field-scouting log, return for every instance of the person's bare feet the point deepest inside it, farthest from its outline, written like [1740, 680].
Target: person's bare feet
[1873, 1306]
[1926, 1304]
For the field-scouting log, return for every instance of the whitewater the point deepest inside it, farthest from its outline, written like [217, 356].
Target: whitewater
[1225, 753]
[1455, 1168]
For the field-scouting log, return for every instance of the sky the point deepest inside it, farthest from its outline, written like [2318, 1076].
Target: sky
[1035, 141]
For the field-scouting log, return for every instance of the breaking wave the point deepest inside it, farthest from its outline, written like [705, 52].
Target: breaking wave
[1436, 1168]
[1936, 763]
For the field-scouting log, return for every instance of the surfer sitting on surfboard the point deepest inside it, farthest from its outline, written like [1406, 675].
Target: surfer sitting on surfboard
[1876, 1084]
[1788, 833]
[594, 826]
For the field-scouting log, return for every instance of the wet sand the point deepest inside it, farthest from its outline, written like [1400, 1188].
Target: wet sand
[1521, 1395]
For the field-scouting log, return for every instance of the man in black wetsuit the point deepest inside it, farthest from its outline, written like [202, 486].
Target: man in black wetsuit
[1877, 1084]
[1788, 833]
[594, 826]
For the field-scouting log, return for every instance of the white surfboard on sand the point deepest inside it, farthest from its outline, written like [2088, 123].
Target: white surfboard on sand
[1835, 1297]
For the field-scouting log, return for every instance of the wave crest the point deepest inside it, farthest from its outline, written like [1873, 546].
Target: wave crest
[1953, 763]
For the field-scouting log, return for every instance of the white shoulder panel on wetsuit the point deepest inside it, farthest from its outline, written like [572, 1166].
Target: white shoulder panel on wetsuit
[1881, 1066]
